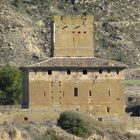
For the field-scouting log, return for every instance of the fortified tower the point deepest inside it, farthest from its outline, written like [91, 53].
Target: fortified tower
[73, 36]
[73, 78]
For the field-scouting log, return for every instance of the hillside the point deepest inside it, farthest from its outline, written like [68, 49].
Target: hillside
[25, 29]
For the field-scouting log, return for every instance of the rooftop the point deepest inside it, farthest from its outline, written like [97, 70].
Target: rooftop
[77, 62]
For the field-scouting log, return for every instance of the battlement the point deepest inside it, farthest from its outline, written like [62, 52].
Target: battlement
[73, 35]
[79, 19]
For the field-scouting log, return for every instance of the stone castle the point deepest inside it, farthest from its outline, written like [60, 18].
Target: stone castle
[73, 78]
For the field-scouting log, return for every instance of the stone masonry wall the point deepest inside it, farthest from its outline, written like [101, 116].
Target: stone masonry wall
[94, 92]
[73, 35]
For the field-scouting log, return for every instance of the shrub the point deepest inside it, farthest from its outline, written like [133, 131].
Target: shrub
[10, 85]
[74, 123]
[51, 135]
[17, 3]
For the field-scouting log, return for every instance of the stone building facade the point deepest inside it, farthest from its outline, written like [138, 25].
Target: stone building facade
[74, 78]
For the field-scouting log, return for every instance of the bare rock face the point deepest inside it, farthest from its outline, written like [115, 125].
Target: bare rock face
[22, 39]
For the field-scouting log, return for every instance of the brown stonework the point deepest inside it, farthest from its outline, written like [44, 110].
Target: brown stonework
[80, 82]
[73, 35]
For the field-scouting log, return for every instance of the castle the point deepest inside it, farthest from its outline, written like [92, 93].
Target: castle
[73, 78]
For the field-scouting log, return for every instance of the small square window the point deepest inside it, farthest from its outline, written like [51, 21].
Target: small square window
[100, 119]
[68, 72]
[108, 71]
[49, 72]
[84, 72]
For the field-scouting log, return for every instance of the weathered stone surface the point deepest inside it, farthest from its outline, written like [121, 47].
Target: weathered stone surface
[21, 37]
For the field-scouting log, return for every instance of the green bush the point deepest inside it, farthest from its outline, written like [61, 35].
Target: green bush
[17, 3]
[74, 123]
[10, 85]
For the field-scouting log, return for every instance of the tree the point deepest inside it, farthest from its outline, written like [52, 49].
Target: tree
[10, 85]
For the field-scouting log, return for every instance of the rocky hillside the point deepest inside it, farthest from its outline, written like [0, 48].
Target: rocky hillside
[19, 124]
[25, 29]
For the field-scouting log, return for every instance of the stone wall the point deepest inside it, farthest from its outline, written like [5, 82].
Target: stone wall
[92, 92]
[73, 35]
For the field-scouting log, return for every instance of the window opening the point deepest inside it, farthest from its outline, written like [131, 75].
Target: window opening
[109, 93]
[77, 109]
[90, 93]
[35, 72]
[108, 71]
[100, 119]
[117, 71]
[68, 72]
[44, 93]
[100, 71]
[108, 110]
[75, 91]
[84, 72]
[49, 72]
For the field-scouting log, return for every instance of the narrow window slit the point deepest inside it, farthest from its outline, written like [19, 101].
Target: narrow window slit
[100, 71]
[90, 94]
[75, 91]
[117, 71]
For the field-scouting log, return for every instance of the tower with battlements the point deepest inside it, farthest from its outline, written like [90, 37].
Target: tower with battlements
[74, 78]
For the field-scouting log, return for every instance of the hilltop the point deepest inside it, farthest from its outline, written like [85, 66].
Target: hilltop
[25, 29]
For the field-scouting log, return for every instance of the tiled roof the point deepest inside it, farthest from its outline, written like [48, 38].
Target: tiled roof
[77, 62]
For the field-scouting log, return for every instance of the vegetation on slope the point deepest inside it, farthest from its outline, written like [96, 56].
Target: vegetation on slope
[10, 85]
[73, 123]
[116, 28]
